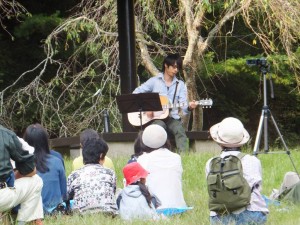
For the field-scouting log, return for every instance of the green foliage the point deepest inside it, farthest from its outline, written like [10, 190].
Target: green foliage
[37, 24]
[237, 90]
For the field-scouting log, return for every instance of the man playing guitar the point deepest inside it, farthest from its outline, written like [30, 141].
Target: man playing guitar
[167, 84]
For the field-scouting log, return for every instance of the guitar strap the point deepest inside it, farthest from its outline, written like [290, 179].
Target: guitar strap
[177, 82]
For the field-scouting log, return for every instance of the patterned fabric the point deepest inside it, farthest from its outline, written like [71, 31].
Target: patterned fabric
[93, 188]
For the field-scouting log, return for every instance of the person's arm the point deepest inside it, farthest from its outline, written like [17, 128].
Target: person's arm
[70, 189]
[63, 182]
[25, 165]
[182, 98]
[145, 87]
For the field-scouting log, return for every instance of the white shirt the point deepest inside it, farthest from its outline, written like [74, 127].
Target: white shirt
[165, 177]
[252, 172]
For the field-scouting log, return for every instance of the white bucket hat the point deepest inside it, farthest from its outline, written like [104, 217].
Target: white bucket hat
[154, 136]
[230, 132]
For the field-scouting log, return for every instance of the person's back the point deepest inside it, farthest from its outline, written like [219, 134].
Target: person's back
[230, 134]
[27, 186]
[165, 178]
[93, 186]
[134, 205]
[165, 168]
[134, 201]
[49, 167]
[58, 155]
[252, 173]
[55, 185]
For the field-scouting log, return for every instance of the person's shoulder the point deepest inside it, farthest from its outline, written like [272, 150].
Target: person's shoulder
[145, 155]
[101, 169]
[108, 163]
[167, 151]
[181, 82]
[6, 133]
[5, 130]
[159, 76]
[209, 160]
[249, 157]
[78, 159]
[77, 163]
[55, 153]
[55, 160]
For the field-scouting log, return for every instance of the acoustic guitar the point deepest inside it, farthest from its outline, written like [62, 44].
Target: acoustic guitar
[134, 118]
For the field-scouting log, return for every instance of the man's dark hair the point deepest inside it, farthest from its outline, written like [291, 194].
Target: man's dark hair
[171, 60]
[93, 150]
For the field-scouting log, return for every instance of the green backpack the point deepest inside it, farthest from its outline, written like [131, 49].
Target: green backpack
[227, 188]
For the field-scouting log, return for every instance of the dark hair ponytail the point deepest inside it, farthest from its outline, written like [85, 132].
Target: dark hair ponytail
[145, 192]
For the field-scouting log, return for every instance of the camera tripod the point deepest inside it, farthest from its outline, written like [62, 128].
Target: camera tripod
[263, 122]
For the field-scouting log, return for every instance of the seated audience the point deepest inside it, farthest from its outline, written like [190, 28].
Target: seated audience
[50, 168]
[93, 186]
[78, 161]
[289, 190]
[230, 134]
[135, 201]
[27, 185]
[139, 148]
[164, 167]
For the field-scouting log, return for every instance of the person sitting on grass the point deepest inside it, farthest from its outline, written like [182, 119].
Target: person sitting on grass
[135, 201]
[50, 168]
[78, 161]
[93, 186]
[230, 134]
[27, 186]
[164, 167]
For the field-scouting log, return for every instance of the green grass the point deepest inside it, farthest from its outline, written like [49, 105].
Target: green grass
[195, 192]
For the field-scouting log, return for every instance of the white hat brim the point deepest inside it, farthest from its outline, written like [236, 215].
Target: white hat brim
[215, 136]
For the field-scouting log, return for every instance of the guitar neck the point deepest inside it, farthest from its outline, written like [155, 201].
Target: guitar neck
[182, 104]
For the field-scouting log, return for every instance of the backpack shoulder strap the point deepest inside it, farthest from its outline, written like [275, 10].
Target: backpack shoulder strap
[241, 155]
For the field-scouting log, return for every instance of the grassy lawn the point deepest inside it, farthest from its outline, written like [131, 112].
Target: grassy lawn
[195, 192]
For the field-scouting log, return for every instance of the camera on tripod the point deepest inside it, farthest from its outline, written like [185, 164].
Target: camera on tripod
[257, 62]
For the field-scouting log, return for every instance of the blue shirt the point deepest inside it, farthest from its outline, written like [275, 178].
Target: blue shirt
[58, 155]
[157, 84]
[55, 185]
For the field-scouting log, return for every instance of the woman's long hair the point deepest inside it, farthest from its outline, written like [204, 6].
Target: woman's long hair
[37, 137]
[145, 192]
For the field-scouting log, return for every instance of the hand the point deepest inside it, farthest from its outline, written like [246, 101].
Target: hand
[150, 115]
[192, 105]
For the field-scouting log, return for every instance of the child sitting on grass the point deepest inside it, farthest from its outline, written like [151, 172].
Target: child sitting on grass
[134, 202]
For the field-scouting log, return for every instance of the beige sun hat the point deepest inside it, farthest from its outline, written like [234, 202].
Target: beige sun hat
[154, 136]
[230, 132]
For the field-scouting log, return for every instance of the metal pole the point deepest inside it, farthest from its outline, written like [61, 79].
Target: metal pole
[126, 31]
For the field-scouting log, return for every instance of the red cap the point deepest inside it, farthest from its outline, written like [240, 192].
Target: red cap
[133, 172]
